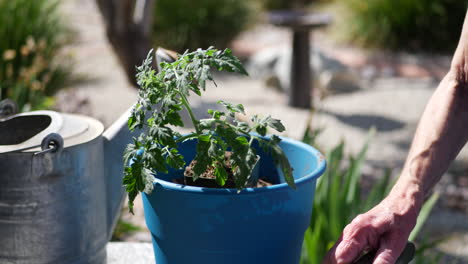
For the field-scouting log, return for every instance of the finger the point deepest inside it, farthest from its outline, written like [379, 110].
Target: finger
[357, 237]
[361, 235]
[390, 249]
[340, 252]
[350, 250]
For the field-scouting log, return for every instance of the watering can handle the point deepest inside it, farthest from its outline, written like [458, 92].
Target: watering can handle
[405, 257]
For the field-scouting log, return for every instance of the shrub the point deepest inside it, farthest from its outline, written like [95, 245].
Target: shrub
[285, 4]
[276, 4]
[32, 34]
[429, 25]
[188, 24]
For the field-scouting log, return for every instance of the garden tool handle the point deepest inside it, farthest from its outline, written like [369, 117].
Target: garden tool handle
[405, 257]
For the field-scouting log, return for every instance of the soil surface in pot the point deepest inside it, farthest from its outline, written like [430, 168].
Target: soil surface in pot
[208, 178]
[206, 183]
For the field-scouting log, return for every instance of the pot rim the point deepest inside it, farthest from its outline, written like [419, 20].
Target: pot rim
[313, 175]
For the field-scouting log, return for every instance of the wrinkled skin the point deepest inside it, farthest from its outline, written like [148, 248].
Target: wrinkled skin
[386, 227]
[441, 133]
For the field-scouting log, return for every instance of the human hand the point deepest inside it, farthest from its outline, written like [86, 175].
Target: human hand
[386, 228]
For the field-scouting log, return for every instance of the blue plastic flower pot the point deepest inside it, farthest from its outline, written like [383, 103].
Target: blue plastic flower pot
[193, 225]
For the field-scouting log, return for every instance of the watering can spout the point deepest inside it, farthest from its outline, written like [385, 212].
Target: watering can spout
[116, 138]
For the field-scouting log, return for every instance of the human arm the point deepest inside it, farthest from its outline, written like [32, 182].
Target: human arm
[441, 133]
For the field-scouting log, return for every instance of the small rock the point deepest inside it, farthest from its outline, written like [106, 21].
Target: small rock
[330, 75]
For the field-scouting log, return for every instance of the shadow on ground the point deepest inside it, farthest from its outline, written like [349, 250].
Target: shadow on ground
[366, 121]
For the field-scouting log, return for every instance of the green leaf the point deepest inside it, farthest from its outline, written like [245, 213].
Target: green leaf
[216, 114]
[175, 160]
[243, 161]
[261, 124]
[132, 122]
[133, 180]
[204, 138]
[242, 140]
[275, 124]
[162, 135]
[174, 118]
[155, 160]
[261, 130]
[129, 152]
[225, 61]
[355, 171]
[221, 175]
[279, 157]
[206, 124]
[215, 151]
[423, 215]
[310, 135]
[378, 191]
[243, 127]
[202, 158]
[233, 108]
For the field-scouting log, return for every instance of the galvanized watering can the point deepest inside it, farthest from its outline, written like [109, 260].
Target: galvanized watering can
[60, 186]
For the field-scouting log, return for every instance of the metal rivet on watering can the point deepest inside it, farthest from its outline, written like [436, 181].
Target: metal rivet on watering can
[60, 186]
[52, 143]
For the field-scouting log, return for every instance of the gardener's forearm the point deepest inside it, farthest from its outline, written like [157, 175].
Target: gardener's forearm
[442, 131]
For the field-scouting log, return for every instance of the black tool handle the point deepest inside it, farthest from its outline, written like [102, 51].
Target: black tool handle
[405, 257]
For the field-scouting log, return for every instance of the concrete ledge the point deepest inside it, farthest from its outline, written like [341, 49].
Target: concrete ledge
[130, 252]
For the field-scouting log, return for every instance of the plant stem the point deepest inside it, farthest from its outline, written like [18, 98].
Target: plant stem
[251, 140]
[186, 104]
[184, 138]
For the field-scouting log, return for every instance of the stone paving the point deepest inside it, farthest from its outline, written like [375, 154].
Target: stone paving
[392, 104]
[130, 252]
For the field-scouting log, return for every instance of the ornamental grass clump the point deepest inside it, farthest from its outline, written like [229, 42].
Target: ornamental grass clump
[423, 25]
[32, 35]
[162, 98]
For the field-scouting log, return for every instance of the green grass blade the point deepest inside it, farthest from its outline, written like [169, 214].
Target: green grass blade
[355, 172]
[423, 215]
[378, 191]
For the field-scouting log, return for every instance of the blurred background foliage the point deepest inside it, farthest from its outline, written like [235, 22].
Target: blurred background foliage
[188, 24]
[423, 25]
[32, 35]
[285, 4]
